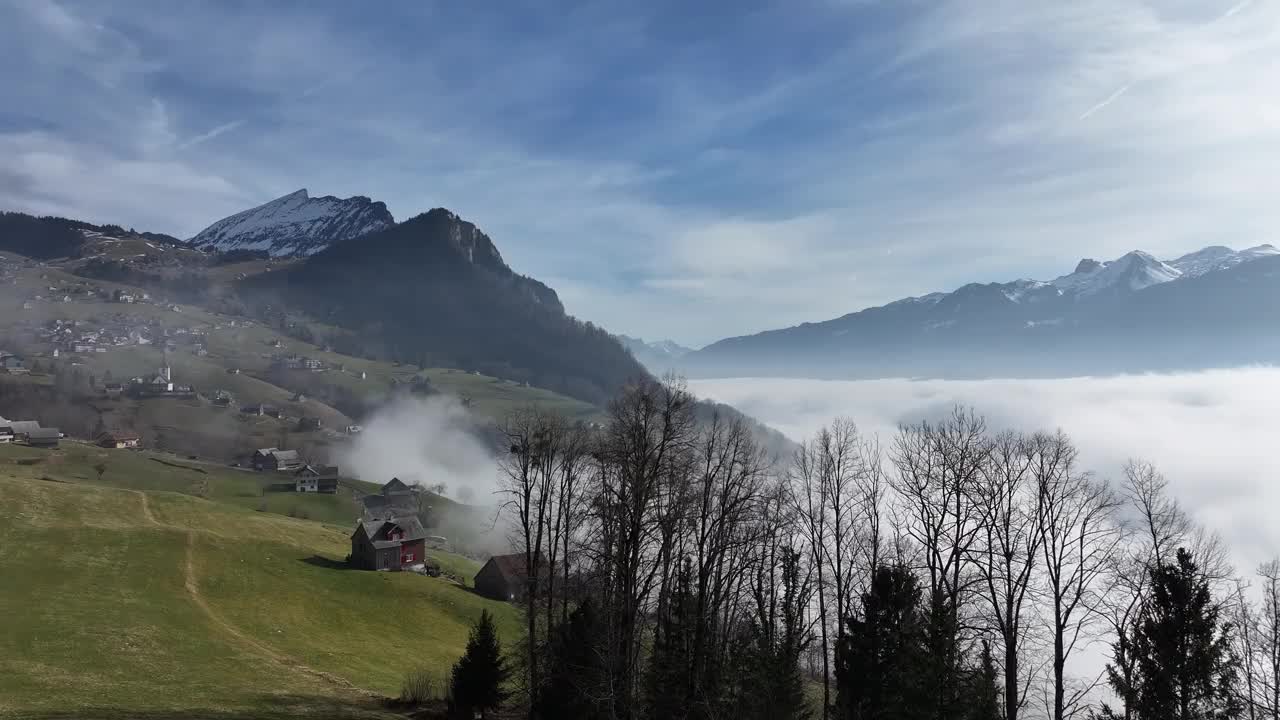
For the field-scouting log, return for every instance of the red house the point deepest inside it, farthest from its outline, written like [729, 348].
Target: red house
[395, 544]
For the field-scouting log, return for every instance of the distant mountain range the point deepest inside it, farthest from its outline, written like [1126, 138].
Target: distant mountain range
[1208, 308]
[296, 224]
[658, 356]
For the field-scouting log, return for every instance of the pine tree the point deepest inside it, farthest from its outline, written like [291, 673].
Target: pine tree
[667, 680]
[1184, 665]
[770, 683]
[881, 662]
[481, 673]
[574, 670]
[984, 691]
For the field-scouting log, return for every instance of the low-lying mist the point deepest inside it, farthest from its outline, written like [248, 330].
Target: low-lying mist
[426, 442]
[1213, 434]
[432, 442]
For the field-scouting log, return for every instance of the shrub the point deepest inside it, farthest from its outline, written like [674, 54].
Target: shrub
[420, 686]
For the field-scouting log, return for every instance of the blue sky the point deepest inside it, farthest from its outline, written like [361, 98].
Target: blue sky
[682, 170]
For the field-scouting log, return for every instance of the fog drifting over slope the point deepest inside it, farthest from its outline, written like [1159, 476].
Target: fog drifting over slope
[1213, 434]
[424, 441]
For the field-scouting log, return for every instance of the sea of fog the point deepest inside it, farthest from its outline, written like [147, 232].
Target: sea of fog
[1214, 434]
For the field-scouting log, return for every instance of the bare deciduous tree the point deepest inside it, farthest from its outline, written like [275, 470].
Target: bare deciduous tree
[1008, 556]
[938, 468]
[1079, 539]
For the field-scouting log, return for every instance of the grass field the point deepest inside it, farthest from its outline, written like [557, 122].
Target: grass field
[135, 598]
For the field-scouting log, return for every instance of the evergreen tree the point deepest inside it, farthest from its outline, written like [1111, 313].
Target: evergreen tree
[1184, 665]
[881, 662]
[770, 683]
[667, 680]
[984, 688]
[481, 673]
[574, 670]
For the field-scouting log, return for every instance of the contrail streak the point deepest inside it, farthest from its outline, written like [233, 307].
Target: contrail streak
[225, 127]
[1104, 103]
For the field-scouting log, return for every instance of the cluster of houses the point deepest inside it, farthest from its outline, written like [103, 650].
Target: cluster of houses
[160, 384]
[28, 432]
[82, 337]
[293, 361]
[303, 477]
[390, 536]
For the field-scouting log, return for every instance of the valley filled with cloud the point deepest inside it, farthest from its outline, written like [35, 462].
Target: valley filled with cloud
[1213, 434]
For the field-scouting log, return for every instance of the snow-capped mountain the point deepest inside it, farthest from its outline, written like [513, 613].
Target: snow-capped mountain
[1131, 272]
[296, 224]
[657, 356]
[1136, 312]
[1217, 257]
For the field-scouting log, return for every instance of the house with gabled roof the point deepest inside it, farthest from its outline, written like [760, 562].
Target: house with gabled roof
[119, 440]
[391, 544]
[394, 498]
[44, 437]
[275, 459]
[22, 428]
[316, 479]
[396, 486]
[504, 577]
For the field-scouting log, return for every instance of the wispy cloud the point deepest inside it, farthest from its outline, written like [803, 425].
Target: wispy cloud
[648, 166]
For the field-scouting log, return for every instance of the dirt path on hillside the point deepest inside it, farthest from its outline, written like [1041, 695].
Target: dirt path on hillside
[146, 509]
[193, 589]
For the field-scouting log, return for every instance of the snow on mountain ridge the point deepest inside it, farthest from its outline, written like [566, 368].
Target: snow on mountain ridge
[1132, 271]
[296, 224]
[1218, 257]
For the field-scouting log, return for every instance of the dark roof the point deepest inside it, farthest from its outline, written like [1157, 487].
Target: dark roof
[511, 567]
[396, 485]
[22, 427]
[44, 434]
[119, 435]
[381, 506]
[411, 526]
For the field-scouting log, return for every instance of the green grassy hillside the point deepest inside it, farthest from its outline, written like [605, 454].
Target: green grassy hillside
[139, 598]
[345, 392]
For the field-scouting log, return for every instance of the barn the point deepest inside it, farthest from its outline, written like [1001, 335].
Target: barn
[276, 459]
[396, 544]
[503, 577]
[44, 437]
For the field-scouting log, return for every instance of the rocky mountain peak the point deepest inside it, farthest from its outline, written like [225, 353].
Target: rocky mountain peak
[296, 224]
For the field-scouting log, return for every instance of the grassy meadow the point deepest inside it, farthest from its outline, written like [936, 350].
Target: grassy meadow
[166, 592]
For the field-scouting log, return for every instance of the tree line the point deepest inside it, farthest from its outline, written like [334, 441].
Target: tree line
[676, 569]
